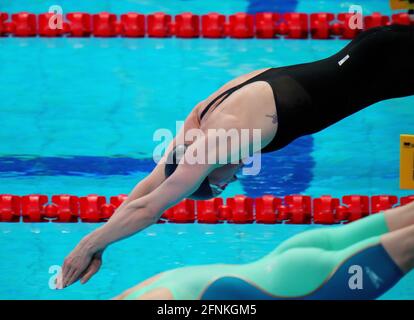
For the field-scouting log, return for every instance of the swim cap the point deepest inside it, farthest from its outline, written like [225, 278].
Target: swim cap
[204, 191]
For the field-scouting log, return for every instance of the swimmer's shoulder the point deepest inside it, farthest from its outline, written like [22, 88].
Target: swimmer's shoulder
[199, 108]
[239, 80]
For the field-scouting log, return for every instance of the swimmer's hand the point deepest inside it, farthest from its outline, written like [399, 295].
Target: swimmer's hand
[82, 263]
[93, 267]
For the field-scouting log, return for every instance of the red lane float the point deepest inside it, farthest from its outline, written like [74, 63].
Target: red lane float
[225, 212]
[65, 208]
[132, 25]
[166, 215]
[357, 207]
[266, 209]
[183, 212]
[325, 210]
[241, 26]
[3, 25]
[298, 209]
[241, 209]
[23, 25]
[159, 25]
[51, 211]
[33, 208]
[402, 18]
[347, 29]
[320, 25]
[282, 214]
[49, 25]
[406, 200]
[336, 29]
[104, 24]
[376, 20]
[116, 201]
[208, 210]
[187, 25]
[10, 208]
[297, 25]
[213, 25]
[107, 210]
[80, 24]
[382, 203]
[266, 24]
[91, 208]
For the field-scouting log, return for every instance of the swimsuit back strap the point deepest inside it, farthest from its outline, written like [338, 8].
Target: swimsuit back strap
[227, 93]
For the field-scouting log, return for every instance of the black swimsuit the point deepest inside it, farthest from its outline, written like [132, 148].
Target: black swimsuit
[377, 65]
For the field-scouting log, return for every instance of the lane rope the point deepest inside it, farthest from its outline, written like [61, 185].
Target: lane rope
[268, 209]
[263, 25]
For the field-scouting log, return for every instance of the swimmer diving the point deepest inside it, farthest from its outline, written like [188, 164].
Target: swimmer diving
[284, 103]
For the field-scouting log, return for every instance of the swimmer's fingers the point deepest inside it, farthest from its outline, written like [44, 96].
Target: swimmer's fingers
[73, 268]
[92, 269]
[70, 276]
[61, 283]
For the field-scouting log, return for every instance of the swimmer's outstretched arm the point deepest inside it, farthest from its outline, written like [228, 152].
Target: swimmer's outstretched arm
[143, 188]
[135, 216]
[144, 211]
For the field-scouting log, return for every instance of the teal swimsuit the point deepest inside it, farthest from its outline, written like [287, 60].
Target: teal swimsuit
[317, 264]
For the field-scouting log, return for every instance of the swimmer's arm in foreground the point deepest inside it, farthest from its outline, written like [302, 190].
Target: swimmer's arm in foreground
[133, 217]
[144, 187]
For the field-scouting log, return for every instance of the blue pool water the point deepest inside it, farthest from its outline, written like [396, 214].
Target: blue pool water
[78, 115]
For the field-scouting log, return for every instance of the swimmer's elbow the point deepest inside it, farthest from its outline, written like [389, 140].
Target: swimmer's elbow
[143, 211]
